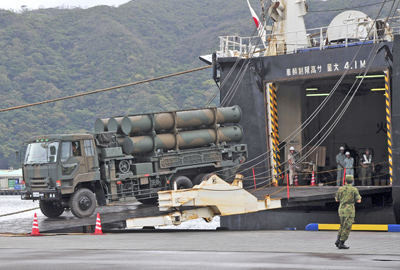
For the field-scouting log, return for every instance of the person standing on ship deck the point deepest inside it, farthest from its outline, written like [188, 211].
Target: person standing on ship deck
[292, 164]
[368, 167]
[346, 196]
[340, 166]
[348, 165]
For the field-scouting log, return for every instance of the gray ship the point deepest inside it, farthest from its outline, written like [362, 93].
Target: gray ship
[327, 87]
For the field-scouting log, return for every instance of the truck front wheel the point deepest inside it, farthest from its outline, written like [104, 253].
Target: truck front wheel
[82, 203]
[51, 209]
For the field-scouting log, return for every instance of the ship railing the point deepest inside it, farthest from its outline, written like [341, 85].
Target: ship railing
[344, 35]
[242, 47]
[351, 34]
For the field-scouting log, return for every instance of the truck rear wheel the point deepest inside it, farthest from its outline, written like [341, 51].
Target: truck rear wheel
[82, 203]
[200, 177]
[51, 209]
[182, 182]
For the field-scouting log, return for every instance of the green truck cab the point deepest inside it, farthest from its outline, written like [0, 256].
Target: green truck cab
[58, 176]
[80, 171]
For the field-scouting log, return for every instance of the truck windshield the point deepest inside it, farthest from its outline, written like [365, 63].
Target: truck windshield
[41, 152]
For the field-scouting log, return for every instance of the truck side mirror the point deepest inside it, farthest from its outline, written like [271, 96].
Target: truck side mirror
[53, 150]
[16, 155]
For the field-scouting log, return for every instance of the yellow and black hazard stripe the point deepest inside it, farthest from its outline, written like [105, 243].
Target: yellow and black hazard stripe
[389, 124]
[273, 109]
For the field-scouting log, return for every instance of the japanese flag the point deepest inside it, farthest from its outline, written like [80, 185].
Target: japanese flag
[255, 17]
[261, 32]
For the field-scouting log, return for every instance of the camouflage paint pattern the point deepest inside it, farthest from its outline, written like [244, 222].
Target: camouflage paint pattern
[131, 125]
[165, 141]
[230, 134]
[345, 227]
[136, 145]
[347, 197]
[193, 119]
[136, 124]
[182, 140]
[196, 138]
[229, 114]
[40, 177]
[163, 121]
[176, 130]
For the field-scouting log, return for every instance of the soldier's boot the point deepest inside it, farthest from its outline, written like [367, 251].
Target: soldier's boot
[337, 241]
[342, 245]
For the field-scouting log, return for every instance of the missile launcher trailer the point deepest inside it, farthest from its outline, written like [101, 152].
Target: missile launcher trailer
[131, 156]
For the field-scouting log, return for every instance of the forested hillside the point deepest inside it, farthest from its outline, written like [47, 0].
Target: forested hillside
[51, 53]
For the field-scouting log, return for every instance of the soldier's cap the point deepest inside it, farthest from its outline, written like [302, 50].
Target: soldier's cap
[349, 179]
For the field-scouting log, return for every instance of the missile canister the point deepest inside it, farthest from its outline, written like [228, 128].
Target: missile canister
[163, 121]
[131, 125]
[100, 125]
[185, 139]
[137, 145]
[231, 114]
[114, 125]
[136, 124]
[230, 134]
[196, 118]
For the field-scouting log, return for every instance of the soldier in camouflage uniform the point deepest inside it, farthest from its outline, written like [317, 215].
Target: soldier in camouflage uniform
[347, 196]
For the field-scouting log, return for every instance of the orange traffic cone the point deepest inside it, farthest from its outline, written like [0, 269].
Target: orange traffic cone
[35, 227]
[296, 182]
[98, 230]
[312, 179]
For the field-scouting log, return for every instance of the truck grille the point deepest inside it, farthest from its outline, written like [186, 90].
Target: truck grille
[38, 184]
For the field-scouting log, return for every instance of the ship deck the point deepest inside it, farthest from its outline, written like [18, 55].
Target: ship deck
[312, 195]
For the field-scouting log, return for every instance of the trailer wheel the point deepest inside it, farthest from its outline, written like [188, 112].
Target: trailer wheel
[182, 182]
[82, 203]
[51, 209]
[200, 177]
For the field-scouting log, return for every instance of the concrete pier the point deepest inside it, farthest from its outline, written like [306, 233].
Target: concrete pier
[202, 250]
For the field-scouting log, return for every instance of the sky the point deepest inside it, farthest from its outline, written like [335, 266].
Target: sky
[35, 4]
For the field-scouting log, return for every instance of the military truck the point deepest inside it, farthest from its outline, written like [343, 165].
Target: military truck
[131, 156]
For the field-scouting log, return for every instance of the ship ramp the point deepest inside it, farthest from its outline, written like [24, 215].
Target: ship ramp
[213, 197]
